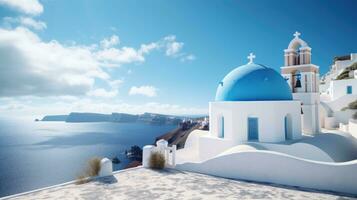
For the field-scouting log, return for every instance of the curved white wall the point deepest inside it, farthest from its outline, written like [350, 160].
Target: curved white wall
[338, 104]
[266, 166]
[301, 150]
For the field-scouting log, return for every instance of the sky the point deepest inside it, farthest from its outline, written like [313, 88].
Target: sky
[162, 56]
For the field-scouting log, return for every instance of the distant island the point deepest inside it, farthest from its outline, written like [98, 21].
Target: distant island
[152, 118]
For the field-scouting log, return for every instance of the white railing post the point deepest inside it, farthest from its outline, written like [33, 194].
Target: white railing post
[147, 151]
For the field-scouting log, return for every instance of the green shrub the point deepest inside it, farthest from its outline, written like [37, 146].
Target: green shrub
[343, 75]
[344, 108]
[157, 160]
[352, 105]
[92, 169]
[354, 115]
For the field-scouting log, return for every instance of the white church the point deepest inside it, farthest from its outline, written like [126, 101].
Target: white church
[265, 126]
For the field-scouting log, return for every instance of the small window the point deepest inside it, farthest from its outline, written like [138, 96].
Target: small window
[349, 89]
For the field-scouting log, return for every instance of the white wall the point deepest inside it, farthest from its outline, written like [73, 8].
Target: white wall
[343, 116]
[338, 88]
[310, 107]
[341, 102]
[266, 166]
[352, 127]
[330, 122]
[270, 116]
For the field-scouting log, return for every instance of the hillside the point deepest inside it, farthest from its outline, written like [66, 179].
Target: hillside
[152, 118]
[345, 74]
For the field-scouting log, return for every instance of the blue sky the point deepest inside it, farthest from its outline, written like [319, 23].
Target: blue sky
[157, 56]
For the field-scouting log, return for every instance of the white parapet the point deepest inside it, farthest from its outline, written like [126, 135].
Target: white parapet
[106, 167]
[343, 127]
[330, 122]
[146, 155]
[352, 127]
[162, 147]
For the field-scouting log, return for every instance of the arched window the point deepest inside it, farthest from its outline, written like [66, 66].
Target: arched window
[222, 131]
[288, 127]
[221, 126]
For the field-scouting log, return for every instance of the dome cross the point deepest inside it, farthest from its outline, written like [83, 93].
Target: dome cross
[297, 34]
[251, 58]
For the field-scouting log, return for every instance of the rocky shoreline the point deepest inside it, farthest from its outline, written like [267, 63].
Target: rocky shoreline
[176, 137]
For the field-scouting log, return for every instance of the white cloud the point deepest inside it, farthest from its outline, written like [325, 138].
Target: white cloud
[147, 48]
[38, 25]
[31, 7]
[110, 42]
[30, 66]
[20, 108]
[115, 84]
[189, 57]
[116, 57]
[172, 46]
[146, 90]
[102, 93]
[124, 55]
[26, 21]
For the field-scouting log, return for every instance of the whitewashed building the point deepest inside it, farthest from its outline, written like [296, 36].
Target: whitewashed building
[333, 89]
[338, 88]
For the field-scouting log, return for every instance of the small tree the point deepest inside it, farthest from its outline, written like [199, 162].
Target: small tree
[157, 160]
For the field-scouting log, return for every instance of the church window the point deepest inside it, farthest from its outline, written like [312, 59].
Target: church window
[253, 129]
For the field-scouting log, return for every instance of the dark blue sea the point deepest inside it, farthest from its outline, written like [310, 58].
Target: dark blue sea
[39, 154]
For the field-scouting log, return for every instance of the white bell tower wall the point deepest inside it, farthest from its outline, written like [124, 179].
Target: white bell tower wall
[303, 79]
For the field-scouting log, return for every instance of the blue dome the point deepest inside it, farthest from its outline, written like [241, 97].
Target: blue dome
[253, 82]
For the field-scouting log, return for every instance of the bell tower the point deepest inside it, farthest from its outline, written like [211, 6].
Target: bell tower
[303, 79]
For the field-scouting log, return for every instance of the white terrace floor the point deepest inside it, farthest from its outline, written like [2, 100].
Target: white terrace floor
[140, 183]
